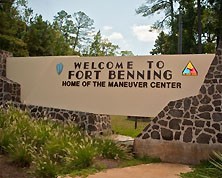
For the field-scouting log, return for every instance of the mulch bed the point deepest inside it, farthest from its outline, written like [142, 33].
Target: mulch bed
[9, 170]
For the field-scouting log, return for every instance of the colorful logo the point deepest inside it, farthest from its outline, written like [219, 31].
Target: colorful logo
[189, 70]
[59, 68]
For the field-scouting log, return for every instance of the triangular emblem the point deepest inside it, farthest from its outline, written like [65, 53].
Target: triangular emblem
[189, 70]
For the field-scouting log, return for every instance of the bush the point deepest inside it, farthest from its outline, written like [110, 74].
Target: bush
[44, 167]
[111, 150]
[14, 126]
[81, 155]
[21, 152]
[7, 137]
[50, 147]
[216, 160]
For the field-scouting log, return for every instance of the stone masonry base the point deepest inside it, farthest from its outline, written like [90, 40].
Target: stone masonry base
[173, 151]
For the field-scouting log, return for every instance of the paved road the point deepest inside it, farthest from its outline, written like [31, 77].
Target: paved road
[157, 170]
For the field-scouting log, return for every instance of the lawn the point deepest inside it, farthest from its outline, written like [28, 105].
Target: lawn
[121, 125]
[204, 170]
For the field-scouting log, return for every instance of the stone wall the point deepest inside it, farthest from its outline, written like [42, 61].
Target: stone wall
[189, 129]
[9, 90]
[10, 93]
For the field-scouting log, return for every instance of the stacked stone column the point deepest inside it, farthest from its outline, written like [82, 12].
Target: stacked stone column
[9, 90]
[189, 129]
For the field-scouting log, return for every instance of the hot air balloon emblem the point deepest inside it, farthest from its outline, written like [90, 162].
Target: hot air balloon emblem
[59, 68]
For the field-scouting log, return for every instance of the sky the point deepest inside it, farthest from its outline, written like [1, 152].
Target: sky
[116, 19]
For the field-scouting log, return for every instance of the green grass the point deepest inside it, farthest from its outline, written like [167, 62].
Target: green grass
[84, 172]
[52, 148]
[121, 125]
[204, 170]
[138, 161]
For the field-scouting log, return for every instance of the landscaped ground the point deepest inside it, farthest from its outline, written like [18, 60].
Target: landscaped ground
[157, 170]
[50, 149]
[8, 170]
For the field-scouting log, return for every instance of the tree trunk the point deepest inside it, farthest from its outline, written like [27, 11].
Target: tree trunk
[219, 40]
[76, 39]
[180, 34]
[172, 16]
[199, 27]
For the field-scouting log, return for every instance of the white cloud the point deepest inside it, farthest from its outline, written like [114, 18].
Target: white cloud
[107, 28]
[115, 36]
[144, 33]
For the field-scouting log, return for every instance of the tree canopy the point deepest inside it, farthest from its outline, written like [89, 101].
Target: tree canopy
[201, 27]
[24, 33]
[193, 26]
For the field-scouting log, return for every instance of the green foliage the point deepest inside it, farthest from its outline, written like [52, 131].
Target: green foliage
[20, 152]
[95, 48]
[126, 53]
[8, 16]
[9, 130]
[64, 23]
[204, 170]
[156, 6]
[11, 30]
[24, 33]
[51, 148]
[13, 45]
[138, 160]
[41, 38]
[162, 45]
[111, 150]
[7, 137]
[81, 156]
[44, 166]
[121, 125]
[207, 29]
[83, 27]
[101, 47]
[217, 160]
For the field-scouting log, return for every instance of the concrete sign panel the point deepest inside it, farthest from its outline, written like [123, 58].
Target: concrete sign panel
[138, 86]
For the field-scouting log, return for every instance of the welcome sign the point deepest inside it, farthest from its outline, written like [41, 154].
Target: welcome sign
[139, 86]
[120, 74]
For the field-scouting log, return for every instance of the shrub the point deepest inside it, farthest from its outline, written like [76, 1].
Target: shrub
[40, 133]
[15, 126]
[7, 137]
[81, 155]
[3, 120]
[111, 150]
[216, 160]
[21, 152]
[44, 167]
[50, 147]
[56, 148]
